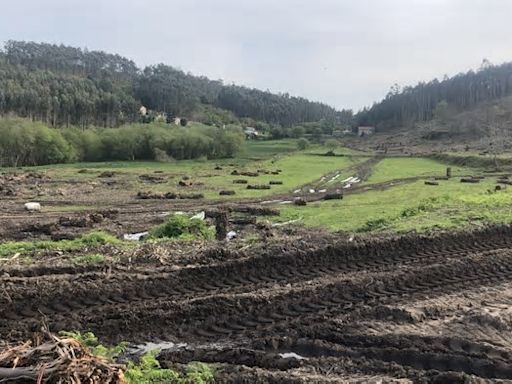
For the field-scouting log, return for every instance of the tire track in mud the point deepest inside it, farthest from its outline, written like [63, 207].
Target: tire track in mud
[418, 354]
[99, 288]
[238, 316]
[341, 298]
[305, 301]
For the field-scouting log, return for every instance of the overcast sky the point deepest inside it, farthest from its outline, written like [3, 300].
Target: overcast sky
[346, 53]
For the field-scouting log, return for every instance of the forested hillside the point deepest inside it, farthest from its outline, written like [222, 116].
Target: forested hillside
[62, 85]
[404, 107]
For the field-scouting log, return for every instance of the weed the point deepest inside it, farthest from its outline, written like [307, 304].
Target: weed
[374, 224]
[183, 227]
[90, 340]
[148, 369]
[90, 259]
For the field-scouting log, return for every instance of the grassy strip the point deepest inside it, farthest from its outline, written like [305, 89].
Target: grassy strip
[96, 238]
[399, 168]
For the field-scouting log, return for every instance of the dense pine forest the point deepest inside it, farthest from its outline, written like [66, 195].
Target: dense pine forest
[463, 92]
[64, 86]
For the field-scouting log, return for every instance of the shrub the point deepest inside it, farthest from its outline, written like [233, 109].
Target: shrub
[302, 144]
[182, 227]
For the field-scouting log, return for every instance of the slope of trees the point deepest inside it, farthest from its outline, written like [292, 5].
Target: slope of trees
[62, 85]
[403, 107]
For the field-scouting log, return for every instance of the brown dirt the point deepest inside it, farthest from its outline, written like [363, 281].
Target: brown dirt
[409, 309]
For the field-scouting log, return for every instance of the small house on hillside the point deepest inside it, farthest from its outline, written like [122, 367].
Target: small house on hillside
[251, 133]
[365, 131]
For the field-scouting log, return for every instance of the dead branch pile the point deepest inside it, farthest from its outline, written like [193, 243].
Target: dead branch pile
[54, 360]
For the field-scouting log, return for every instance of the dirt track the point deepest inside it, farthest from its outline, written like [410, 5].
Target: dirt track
[424, 309]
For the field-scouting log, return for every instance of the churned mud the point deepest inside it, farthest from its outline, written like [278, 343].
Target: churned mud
[409, 309]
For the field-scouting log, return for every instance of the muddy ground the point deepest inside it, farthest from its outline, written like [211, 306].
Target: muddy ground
[410, 309]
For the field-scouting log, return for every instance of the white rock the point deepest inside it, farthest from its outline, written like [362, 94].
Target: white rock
[33, 207]
[231, 235]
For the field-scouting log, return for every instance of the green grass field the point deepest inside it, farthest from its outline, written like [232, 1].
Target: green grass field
[298, 168]
[412, 206]
[404, 207]
[399, 168]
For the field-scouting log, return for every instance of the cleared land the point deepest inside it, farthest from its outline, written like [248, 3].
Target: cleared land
[421, 309]
[291, 303]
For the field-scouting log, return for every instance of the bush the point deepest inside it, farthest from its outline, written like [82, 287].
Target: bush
[183, 227]
[302, 144]
[331, 144]
[28, 143]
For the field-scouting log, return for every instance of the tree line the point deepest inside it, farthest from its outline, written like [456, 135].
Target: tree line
[404, 107]
[62, 85]
[26, 143]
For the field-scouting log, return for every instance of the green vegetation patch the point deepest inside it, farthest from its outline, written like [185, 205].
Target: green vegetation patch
[89, 259]
[10, 248]
[400, 168]
[147, 370]
[184, 228]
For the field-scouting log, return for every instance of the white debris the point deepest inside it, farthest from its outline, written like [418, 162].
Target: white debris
[347, 186]
[334, 178]
[292, 355]
[322, 191]
[311, 191]
[135, 236]
[201, 215]
[296, 191]
[286, 223]
[231, 235]
[286, 202]
[266, 202]
[33, 207]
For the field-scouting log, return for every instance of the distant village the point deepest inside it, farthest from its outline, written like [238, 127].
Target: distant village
[251, 133]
